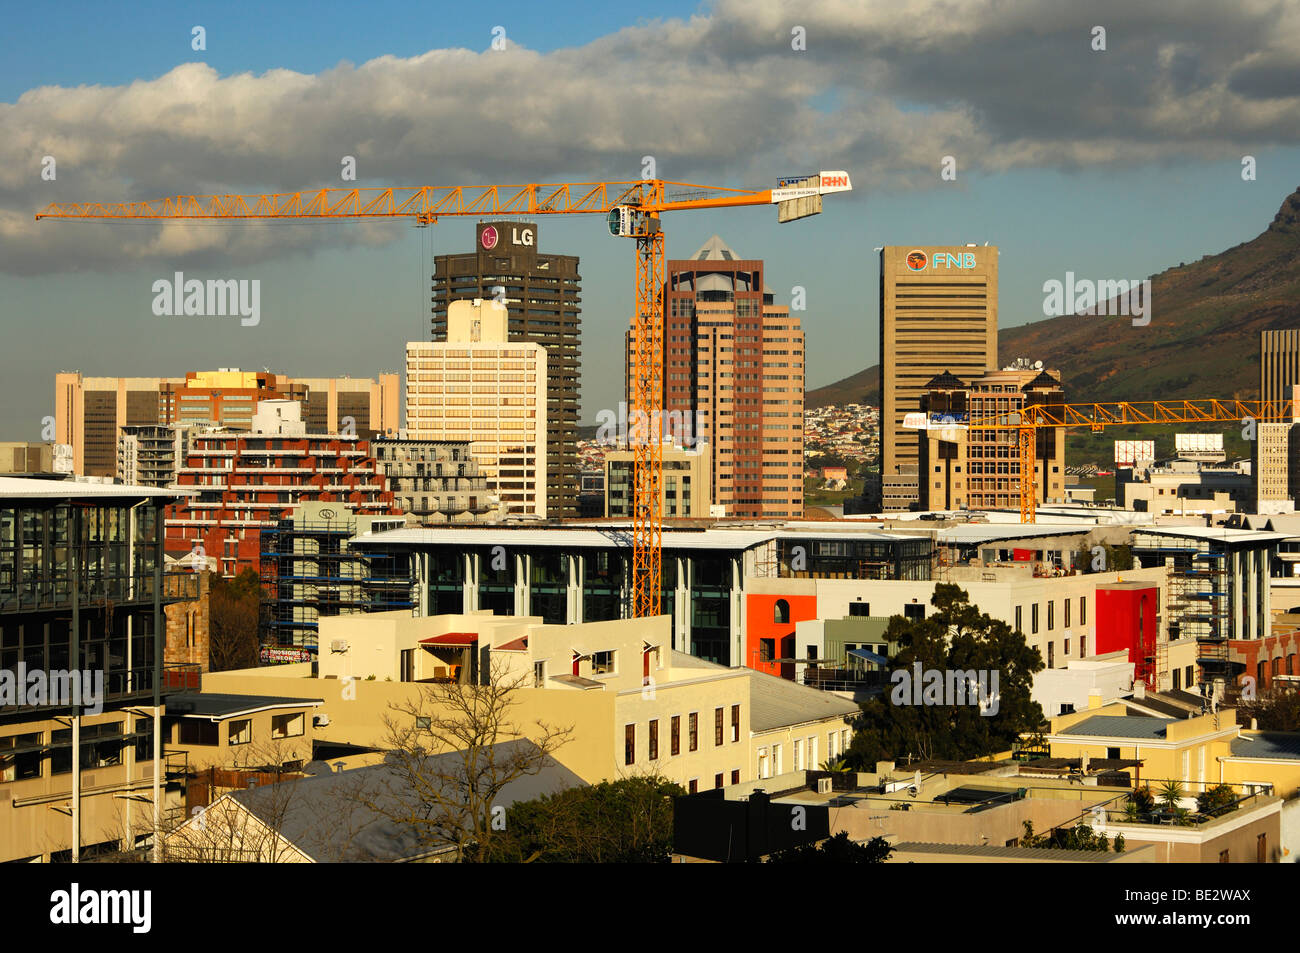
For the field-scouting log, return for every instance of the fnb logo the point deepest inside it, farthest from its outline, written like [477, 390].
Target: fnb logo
[917, 260]
[829, 180]
[945, 260]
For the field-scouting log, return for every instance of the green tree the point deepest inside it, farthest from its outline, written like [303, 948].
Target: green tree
[957, 637]
[839, 849]
[1276, 711]
[625, 821]
[234, 609]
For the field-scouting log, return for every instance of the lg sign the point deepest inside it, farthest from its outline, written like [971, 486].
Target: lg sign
[518, 236]
[917, 260]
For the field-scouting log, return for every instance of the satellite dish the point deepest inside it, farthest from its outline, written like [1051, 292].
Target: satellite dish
[1038, 365]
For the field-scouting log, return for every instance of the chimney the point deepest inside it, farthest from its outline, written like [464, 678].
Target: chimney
[1139, 690]
[1094, 698]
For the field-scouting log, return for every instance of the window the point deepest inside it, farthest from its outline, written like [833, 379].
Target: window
[1066, 650]
[1065, 603]
[1178, 679]
[1083, 610]
[717, 726]
[1019, 627]
[423, 722]
[1223, 857]
[1187, 677]
[1051, 654]
[914, 611]
[1083, 646]
[693, 785]
[602, 663]
[859, 608]
[735, 722]
[629, 744]
[18, 765]
[1051, 615]
[653, 753]
[192, 731]
[693, 731]
[143, 739]
[781, 612]
[1112, 754]
[1261, 849]
[766, 650]
[717, 780]
[798, 752]
[735, 776]
[287, 726]
[1033, 619]
[539, 674]
[241, 732]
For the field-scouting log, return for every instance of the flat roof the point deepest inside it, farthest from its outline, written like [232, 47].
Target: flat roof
[972, 533]
[1219, 534]
[18, 488]
[1042, 854]
[619, 536]
[217, 705]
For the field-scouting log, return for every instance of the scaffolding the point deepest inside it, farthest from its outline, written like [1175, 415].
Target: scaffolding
[1198, 605]
[310, 572]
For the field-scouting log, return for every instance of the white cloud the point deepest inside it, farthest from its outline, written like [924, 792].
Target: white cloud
[718, 98]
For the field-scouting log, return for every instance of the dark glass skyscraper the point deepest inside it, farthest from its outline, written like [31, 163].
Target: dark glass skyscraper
[542, 294]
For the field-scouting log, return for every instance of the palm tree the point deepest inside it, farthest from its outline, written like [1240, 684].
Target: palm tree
[1171, 792]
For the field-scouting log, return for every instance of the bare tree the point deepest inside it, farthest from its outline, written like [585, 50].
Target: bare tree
[453, 749]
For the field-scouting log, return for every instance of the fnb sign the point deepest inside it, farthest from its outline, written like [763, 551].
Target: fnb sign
[945, 260]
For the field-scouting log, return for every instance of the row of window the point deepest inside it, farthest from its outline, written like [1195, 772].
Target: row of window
[674, 734]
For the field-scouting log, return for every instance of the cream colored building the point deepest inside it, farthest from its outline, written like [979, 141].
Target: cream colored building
[684, 492]
[636, 706]
[481, 387]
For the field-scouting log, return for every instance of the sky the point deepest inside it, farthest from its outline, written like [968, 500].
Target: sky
[1111, 163]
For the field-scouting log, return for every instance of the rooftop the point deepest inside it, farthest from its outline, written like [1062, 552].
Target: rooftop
[1275, 745]
[1120, 726]
[778, 703]
[214, 705]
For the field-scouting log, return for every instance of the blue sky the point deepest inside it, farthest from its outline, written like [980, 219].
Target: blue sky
[1119, 197]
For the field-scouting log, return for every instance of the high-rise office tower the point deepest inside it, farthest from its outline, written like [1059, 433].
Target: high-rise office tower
[938, 312]
[734, 376]
[542, 295]
[479, 387]
[1279, 364]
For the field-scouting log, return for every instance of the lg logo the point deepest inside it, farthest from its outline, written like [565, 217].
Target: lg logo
[489, 237]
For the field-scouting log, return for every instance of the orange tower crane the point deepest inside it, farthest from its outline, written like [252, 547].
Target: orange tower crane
[632, 210]
[1097, 417]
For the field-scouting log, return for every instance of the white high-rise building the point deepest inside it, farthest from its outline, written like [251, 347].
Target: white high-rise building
[481, 387]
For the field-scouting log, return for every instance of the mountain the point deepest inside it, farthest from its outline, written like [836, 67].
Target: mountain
[1202, 341]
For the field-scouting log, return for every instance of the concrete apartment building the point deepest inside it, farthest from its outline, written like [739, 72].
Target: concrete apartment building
[542, 293]
[684, 493]
[82, 775]
[90, 411]
[245, 482]
[961, 468]
[734, 372]
[938, 313]
[479, 386]
[434, 482]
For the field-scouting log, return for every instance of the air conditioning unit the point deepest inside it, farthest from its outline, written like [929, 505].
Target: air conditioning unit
[320, 721]
[823, 785]
[339, 645]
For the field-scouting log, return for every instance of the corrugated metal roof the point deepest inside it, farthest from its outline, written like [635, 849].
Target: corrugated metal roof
[33, 488]
[1284, 745]
[779, 703]
[560, 536]
[1120, 726]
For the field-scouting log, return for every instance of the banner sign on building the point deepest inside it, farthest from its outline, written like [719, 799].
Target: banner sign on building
[283, 655]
